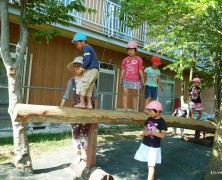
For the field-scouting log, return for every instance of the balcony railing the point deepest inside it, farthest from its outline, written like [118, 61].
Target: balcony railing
[106, 21]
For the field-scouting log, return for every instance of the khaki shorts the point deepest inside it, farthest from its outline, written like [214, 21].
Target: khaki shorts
[85, 86]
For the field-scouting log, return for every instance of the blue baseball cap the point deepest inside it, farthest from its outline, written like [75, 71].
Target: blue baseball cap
[79, 37]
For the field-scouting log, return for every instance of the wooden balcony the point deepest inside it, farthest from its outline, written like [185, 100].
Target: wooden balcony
[106, 21]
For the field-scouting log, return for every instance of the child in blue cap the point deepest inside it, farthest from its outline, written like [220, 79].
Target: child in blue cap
[90, 69]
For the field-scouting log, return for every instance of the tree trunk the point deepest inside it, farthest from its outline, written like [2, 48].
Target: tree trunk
[218, 84]
[215, 164]
[14, 74]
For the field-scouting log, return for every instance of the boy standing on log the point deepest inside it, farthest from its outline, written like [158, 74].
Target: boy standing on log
[90, 68]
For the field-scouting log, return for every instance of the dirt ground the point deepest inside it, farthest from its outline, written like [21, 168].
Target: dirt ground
[180, 161]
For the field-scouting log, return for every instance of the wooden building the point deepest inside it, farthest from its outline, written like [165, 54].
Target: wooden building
[45, 74]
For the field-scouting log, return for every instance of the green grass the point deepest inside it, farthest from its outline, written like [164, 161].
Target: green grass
[43, 143]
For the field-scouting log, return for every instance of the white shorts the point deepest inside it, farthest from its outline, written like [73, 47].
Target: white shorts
[148, 154]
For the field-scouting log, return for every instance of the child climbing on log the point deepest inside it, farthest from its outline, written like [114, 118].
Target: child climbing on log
[79, 131]
[131, 76]
[195, 103]
[152, 80]
[90, 68]
[154, 130]
[181, 112]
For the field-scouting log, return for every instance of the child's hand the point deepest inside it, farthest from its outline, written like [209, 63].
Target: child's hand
[120, 82]
[147, 132]
[142, 87]
[161, 88]
[79, 71]
[142, 82]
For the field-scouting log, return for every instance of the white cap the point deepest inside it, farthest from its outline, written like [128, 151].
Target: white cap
[78, 59]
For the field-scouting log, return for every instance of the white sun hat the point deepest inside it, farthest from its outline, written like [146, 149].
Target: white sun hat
[78, 59]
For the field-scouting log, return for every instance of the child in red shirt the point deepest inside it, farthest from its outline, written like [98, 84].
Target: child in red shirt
[131, 75]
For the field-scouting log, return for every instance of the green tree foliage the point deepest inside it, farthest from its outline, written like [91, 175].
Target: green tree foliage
[194, 29]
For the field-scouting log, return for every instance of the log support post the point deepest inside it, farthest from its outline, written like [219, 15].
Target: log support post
[92, 143]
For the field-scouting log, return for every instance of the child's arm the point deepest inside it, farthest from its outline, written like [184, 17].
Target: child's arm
[175, 113]
[141, 77]
[198, 90]
[160, 83]
[162, 134]
[121, 77]
[146, 132]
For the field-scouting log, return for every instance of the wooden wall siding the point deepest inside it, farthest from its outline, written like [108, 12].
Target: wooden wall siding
[49, 69]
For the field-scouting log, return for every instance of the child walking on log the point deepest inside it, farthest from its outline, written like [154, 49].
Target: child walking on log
[131, 76]
[79, 130]
[152, 80]
[90, 67]
[154, 130]
[195, 103]
[181, 112]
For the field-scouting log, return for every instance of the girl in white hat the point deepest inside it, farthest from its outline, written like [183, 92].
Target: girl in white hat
[79, 130]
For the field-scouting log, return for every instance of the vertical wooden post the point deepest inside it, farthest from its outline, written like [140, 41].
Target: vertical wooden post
[92, 143]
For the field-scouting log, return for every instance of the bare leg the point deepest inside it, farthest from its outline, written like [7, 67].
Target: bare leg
[151, 173]
[125, 94]
[197, 132]
[199, 114]
[135, 98]
[89, 102]
[198, 118]
[82, 103]
[192, 113]
[148, 100]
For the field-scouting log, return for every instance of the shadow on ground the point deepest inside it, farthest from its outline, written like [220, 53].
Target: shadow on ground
[180, 160]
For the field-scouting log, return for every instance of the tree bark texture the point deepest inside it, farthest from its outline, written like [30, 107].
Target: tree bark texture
[14, 74]
[57, 114]
[218, 84]
[215, 164]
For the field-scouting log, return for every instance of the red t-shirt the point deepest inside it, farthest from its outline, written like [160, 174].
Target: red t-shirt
[132, 65]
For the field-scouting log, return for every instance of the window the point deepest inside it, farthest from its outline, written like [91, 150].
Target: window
[105, 85]
[167, 96]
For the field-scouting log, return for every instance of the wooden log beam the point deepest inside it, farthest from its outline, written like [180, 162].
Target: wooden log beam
[57, 114]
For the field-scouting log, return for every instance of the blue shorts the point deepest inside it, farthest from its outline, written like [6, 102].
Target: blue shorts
[150, 92]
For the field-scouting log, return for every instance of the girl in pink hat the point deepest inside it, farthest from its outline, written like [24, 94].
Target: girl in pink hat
[195, 101]
[154, 130]
[131, 76]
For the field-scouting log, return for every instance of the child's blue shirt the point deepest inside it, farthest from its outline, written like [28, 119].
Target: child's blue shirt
[90, 60]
